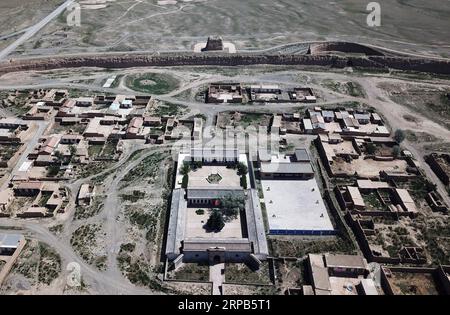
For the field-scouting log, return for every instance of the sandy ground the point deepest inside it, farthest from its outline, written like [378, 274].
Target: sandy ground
[370, 168]
[19, 14]
[254, 24]
[198, 178]
[421, 284]
[195, 223]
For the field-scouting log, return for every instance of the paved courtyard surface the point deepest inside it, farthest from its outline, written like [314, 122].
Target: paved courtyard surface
[295, 205]
[217, 277]
[229, 177]
[344, 286]
[195, 223]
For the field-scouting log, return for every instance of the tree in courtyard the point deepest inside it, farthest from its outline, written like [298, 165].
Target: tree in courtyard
[231, 205]
[59, 156]
[242, 169]
[399, 135]
[396, 151]
[215, 221]
[185, 168]
[53, 169]
[371, 148]
[73, 151]
[429, 186]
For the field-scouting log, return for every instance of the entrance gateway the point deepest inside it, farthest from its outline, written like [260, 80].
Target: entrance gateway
[216, 255]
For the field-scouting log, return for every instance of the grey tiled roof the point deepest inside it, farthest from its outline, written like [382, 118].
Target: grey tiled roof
[287, 168]
[206, 193]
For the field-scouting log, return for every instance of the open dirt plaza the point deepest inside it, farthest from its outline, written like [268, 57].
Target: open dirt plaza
[195, 223]
[295, 207]
[369, 167]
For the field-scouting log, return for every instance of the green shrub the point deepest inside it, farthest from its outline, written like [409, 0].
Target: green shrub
[242, 169]
[185, 168]
[244, 181]
[185, 181]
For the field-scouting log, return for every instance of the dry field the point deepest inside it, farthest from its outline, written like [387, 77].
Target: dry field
[413, 26]
[19, 14]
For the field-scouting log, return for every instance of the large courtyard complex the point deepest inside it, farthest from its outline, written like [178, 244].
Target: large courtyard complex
[229, 148]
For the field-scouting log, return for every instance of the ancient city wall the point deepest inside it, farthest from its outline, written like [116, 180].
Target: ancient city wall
[345, 47]
[127, 60]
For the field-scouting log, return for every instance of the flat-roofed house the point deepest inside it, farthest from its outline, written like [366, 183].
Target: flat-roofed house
[307, 126]
[375, 118]
[334, 138]
[93, 128]
[265, 93]
[301, 155]
[367, 287]
[49, 145]
[9, 243]
[363, 118]
[152, 121]
[225, 93]
[341, 114]
[276, 124]
[126, 104]
[28, 188]
[346, 264]
[381, 131]
[318, 123]
[171, 123]
[44, 160]
[405, 200]
[198, 128]
[265, 88]
[12, 123]
[350, 122]
[356, 198]
[319, 274]
[33, 212]
[302, 94]
[370, 185]
[84, 101]
[332, 274]
[313, 112]
[71, 139]
[134, 128]
[328, 115]
[85, 194]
